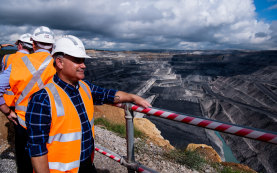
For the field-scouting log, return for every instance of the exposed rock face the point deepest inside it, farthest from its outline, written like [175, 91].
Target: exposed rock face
[207, 151]
[117, 116]
[150, 130]
[231, 86]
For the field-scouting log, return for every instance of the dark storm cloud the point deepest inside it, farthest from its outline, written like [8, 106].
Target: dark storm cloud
[178, 24]
[260, 34]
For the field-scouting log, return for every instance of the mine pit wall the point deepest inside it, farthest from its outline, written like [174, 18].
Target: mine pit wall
[260, 156]
[154, 78]
[222, 89]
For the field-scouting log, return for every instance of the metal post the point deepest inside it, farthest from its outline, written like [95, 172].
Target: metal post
[129, 116]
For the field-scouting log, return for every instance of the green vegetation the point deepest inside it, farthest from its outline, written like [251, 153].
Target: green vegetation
[192, 159]
[117, 128]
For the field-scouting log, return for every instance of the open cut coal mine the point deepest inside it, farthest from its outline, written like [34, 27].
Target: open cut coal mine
[238, 87]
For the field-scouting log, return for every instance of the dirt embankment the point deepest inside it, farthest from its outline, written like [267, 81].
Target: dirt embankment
[116, 115]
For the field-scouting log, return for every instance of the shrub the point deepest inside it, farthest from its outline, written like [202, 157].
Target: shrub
[117, 128]
[192, 159]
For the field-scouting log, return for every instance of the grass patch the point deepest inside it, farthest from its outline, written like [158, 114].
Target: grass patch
[191, 159]
[117, 128]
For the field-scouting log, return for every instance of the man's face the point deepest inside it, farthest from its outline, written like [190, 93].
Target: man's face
[72, 69]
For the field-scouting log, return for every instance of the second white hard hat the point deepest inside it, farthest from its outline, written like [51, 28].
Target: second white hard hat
[70, 45]
[26, 38]
[43, 34]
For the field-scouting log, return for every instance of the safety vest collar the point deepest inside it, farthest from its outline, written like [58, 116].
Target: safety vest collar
[42, 50]
[23, 51]
[57, 98]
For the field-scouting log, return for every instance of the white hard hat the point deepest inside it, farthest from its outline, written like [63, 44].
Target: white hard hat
[70, 45]
[26, 38]
[43, 34]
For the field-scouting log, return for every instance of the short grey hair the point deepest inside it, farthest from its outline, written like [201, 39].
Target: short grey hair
[57, 55]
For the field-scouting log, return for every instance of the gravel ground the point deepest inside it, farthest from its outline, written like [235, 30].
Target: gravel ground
[147, 154]
[7, 158]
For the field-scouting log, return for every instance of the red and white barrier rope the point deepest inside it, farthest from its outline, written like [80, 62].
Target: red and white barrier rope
[119, 158]
[247, 132]
[107, 153]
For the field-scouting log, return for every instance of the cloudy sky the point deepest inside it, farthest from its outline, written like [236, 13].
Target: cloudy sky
[147, 24]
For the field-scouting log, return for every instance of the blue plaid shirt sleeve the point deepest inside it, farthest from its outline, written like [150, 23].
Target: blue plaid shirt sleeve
[4, 83]
[38, 121]
[101, 95]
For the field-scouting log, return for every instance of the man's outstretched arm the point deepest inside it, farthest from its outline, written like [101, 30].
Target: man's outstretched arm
[121, 96]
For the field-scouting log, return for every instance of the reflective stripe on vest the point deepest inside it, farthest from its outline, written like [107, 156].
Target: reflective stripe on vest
[21, 122]
[8, 92]
[85, 88]
[63, 166]
[6, 61]
[65, 137]
[36, 78]
[57, 99]
[92, 122]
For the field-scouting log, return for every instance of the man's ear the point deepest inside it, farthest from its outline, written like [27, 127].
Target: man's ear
[59, 62]
[19, 46]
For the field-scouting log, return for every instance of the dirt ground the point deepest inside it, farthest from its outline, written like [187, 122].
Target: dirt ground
[112, 113]
[6, 133]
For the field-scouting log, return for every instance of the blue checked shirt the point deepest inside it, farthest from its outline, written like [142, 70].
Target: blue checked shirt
[38, 117]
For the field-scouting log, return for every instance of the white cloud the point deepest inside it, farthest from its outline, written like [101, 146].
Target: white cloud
[123, 24]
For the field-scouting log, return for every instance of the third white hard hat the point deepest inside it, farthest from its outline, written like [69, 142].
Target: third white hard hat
[43, 34]
[70, 45]
[26, 38]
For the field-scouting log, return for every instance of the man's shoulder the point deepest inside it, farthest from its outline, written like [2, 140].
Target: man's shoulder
[40, 96]
[86, 81]
[36, 54]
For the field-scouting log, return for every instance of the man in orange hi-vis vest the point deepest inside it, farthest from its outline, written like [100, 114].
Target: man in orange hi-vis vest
[24, 77]
[2, 46]
[24, 47]
[59, 118]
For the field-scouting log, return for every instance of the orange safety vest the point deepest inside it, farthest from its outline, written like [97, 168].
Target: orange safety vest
[7, 60]
[64, 143]
[28, 75]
